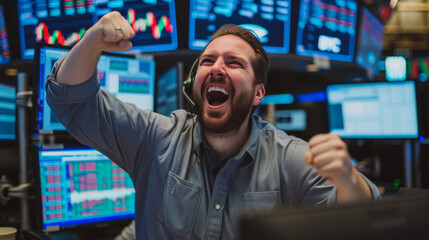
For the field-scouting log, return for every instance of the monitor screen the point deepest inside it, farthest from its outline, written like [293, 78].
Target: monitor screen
[169, 90]
[373, 110]
[370, 41]
[4, 40]
[129, 79]
[7, 112]
[81, 186]
[327, 29]
[65, 22]
[302, 119]
[269, 20]
[154, 22]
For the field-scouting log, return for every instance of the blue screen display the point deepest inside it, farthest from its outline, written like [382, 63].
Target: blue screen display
[373, 110]
[4, 40]
[7, 112]
[370, 41]
[129, 79]
[80, 186]
[169, 91]
[65, 22]
[327, 28]
[269, 20]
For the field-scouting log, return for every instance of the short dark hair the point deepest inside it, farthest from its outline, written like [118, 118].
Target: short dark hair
[261, 64]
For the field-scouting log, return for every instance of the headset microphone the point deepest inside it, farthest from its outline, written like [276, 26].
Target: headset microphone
[187, 85]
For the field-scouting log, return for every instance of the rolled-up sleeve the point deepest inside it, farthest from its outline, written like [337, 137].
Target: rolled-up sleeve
[98, 119]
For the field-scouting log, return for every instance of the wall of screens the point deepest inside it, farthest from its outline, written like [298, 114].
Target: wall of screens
[327, 28]
[64, 22]
[269, 20]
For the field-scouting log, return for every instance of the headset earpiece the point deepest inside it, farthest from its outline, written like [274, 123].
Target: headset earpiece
[187, 85]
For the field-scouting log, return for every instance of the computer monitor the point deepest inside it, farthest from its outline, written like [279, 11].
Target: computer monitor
[396, 218]
[65, 22]
[4, 39]
[269, 20]
[370, 41]
[302, 118]
[79, 187]
[169, 95]
[377, 110]
[129, 79]
[7, 112]
[154, 22]
[52, 22]
[327, 29]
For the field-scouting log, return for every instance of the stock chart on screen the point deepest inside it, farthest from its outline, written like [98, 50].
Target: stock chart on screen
[268, 20]
[80, 186]
[327, 28]
[64, 22]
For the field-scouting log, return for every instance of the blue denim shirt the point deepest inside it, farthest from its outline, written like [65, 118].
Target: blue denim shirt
[175, 198]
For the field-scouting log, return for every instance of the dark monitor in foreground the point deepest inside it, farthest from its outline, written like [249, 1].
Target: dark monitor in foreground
[399, 218]
[80, 187]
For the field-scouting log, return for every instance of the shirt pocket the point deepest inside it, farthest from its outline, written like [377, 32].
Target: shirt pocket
[261, 200]
[180, 204]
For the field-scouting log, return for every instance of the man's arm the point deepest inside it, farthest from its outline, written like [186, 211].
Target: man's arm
[111, 34]
[329, 155]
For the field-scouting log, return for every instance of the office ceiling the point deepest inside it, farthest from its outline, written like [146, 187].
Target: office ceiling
[408, 27]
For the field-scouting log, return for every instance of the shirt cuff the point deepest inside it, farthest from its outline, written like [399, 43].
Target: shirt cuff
[70, 94]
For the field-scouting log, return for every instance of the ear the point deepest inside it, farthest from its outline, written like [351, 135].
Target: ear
[259, 94]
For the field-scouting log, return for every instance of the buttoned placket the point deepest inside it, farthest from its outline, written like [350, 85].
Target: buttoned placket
[218, 200]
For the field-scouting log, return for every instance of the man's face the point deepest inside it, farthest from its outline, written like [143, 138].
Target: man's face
[224, 87]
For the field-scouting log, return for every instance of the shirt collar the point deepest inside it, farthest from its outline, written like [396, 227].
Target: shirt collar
[250, 146]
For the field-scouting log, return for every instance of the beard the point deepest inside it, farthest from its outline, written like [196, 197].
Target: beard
[241, 106]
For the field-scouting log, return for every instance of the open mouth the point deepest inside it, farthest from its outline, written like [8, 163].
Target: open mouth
[217, 95]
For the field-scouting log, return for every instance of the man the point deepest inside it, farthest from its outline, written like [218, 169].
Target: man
[195, 175]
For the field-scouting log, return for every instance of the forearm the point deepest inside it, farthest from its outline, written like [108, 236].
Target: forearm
[111, 33]
[355, 190]
[79, 65]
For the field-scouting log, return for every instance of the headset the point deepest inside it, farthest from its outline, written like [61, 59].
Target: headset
[187, 85]
[187, 92]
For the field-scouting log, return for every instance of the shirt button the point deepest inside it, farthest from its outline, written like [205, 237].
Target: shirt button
[217, 206]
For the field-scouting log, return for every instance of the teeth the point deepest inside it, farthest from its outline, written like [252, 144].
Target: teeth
[219, 89]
